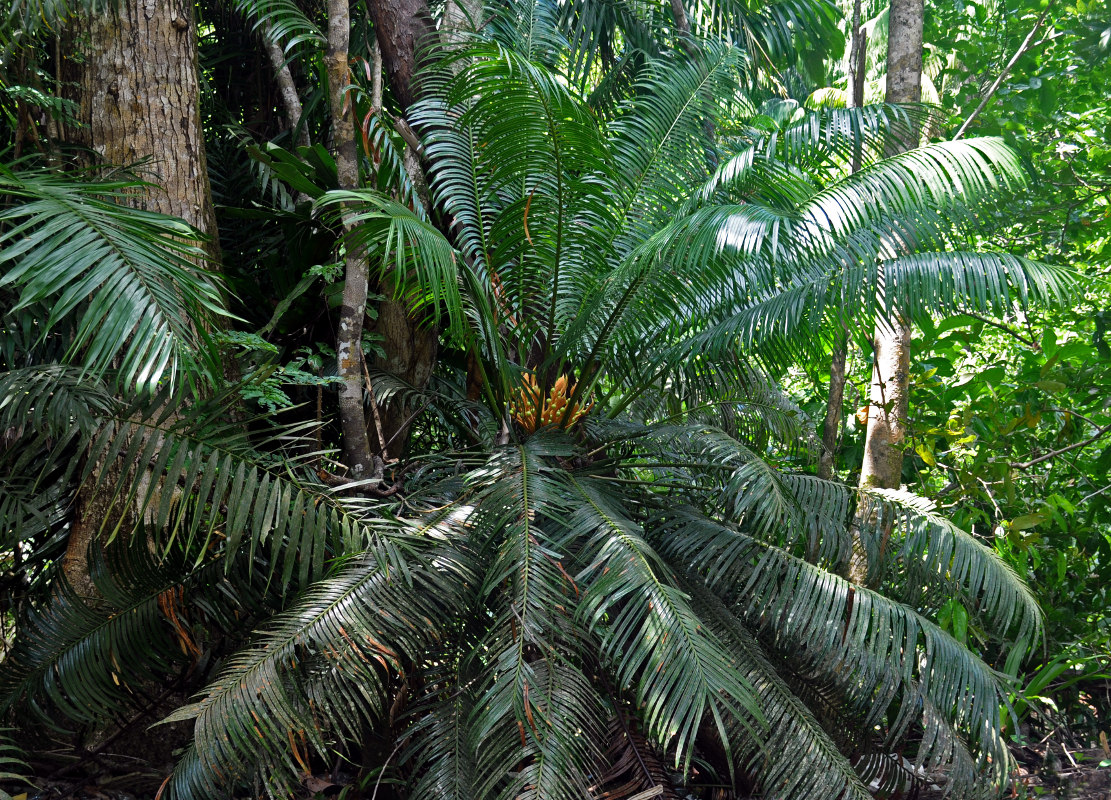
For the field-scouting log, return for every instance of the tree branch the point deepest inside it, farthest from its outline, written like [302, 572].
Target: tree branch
[1054, 453]
[1022, 50]
[987, 320]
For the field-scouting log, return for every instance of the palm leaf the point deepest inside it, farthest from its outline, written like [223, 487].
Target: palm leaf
[129, 277]
[651, 636]
[83, 660]
[319, 670]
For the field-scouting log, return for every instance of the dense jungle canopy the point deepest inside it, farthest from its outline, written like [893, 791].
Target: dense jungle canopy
[555, 399]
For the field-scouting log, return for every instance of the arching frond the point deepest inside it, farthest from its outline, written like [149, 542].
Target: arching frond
[557, 732]
[421, 263]
[796, 754]
[83, 660]
[442, 748]
[839, 629]
[129, 278]
[282, 22]
[535, 705]
[660, 142]
[319, 670]
[941, 554]
[651, 635]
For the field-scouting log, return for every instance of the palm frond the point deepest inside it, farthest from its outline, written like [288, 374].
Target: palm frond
[26, 19]
[829, 625]
[534, 707]
[129, 277]
[555, 738]
[85, 660]
[411, 250]
[441, 749]
[282, 22]
[650, 634]
[318, 671]
[660, 141]
[940, 553]
[796, 754]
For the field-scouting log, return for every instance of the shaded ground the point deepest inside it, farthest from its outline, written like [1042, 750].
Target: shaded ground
[1056, 771]
[1048, 771]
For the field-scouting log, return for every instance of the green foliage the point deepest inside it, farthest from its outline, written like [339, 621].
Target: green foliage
[127, 281]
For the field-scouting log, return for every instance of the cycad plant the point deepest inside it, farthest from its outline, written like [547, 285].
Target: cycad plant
[628, 582]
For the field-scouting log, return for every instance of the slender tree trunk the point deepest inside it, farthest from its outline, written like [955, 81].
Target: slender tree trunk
[827, 459]
[683, 27]
[357, 455]
[140, 102]
[287, 89]
[890, 390]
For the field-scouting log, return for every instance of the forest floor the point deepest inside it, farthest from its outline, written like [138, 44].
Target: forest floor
[1054, 771]
[1050, 771]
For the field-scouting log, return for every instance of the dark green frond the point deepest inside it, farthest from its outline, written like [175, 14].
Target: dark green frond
[939, 553]
[651, 636]
[84, 658]
[829, 625]
[128, 277]
[796, 755]
[319, 670]
[282, 22]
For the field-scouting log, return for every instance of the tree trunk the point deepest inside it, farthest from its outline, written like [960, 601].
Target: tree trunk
[287, 89]
[140, 102]
[827, 459]
[403, 28]
[349, 349]
[890, 390]
[405, 31]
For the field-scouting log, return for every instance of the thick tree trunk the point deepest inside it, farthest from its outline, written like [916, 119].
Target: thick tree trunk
[890, 390]
[404, 29]
[140, 102]
[904, 52]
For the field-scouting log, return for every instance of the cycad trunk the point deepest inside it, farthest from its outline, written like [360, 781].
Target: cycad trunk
[140, 105]
[890, 391]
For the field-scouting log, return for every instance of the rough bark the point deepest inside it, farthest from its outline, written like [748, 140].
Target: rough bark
[357, 456]
[904, 51]
[890, 389]
[403, 28]
[140, 102]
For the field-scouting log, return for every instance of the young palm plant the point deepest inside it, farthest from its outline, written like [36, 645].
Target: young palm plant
[632, 552]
